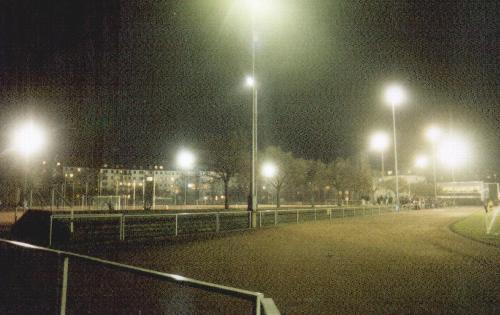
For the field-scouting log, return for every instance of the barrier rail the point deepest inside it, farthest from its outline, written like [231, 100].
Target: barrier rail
[261, 305]
[133, 226]
[275, 217]
[120, 227]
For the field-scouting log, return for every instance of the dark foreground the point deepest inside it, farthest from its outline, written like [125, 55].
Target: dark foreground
[403, 263]
[396, 263]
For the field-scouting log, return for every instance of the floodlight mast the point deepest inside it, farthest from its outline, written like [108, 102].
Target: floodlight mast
[395, 96]
[185, 161]
[27, 140]
[254, 4]
[379, 142]
[433, 135]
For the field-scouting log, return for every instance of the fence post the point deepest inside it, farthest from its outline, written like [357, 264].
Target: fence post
[297, 215]
[343, 212]
[176, 224]
[64, 286]
[330, 214]
[217, 222]
[275, 217]
[122, 227]
[258, 304]
[315, 210]
[50, 230]
[71, 227]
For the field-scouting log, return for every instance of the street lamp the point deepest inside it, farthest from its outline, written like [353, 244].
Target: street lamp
[421, 161]
[27, 140]
[185, 161]
[453, 152]
[433, 134]
[251, 82]
[270, 170]
[395, 96]
[379, 142]
[255, 6]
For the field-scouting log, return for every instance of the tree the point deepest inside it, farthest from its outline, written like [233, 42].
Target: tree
[363, 178]
[227, 158]
[315, 178]
[284, 162]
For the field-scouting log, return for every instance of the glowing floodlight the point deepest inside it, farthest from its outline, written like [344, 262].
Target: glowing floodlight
[395, 95]
[379, 141]
[421, 161]
[453, 151]
[28, 139]
[185, 160]
[269, 170]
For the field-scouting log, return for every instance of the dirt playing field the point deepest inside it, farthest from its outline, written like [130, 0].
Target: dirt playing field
[397, 263]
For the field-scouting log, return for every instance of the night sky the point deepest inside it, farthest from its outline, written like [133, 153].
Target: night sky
[130, 81]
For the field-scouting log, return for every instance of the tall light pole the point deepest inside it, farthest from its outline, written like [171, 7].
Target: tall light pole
[133, 198]
[254, 6]
[379, 142]
[250, 81]
[421, 161]
[395, 96]
[27, 140]
[433, 134]
[185, 162]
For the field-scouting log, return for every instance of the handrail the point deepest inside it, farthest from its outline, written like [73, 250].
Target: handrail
[331, 208]
[257, 297]
[116, 215]
[124, 216]
[87, 215]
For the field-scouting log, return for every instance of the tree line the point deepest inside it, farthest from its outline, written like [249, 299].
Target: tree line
[297, 180]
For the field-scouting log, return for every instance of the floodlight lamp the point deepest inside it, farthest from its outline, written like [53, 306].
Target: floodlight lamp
[421, 161]
[185, 160]
[269, 170]
[395, 95]
[433, 134]
[250, 81]
[379, 141]
[28, 139]
[453, 151]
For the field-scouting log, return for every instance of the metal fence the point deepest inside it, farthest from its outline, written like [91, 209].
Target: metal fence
[54, 267]
[133, 226]
[120, 227]
[275, 217]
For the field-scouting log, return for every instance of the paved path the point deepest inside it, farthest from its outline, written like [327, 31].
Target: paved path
[403, 263]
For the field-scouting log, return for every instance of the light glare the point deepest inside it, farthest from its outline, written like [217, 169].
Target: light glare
[433, 133]
[185, 159]
[421, 161]
[395, 95]
[269, 169]
[453, 151]
[379, 141]
[250, 81]
[28, 139]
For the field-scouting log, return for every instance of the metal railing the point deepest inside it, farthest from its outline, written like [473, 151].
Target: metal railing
[261, 305]
[121, 227]
[135, 226]
[275, 217]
